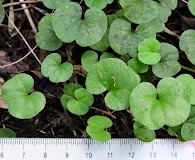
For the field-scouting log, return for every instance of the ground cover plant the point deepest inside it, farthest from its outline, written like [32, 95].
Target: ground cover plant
[109, 61]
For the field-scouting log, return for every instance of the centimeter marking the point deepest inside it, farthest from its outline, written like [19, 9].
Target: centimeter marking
[84, 149]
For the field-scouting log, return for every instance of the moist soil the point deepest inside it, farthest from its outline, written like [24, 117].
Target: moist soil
[53, 120]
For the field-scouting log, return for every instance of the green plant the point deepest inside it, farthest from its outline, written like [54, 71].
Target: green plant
[7, 133]
[96, 128]
[124, 57]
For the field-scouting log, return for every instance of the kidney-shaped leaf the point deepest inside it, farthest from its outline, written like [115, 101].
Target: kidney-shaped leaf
[147, 51]
[189, 82]
[21, 103]
[51, 67]
[96, 128]
[113, 75]
[122, 40]
[101, 4]
[169, 104]
[171, 4]
[139, 11]
[46, 37]
[168, 65]
[68, 25]
[186, 43]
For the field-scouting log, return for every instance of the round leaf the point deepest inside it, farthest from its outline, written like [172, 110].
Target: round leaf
[113, 75]
[88, 59]
[189, 82]
[7, 133]
[138, 11]
[21, 104]
[186, 43]
[68, 25]
[191, 6]
[51, 67]
[143, 133]
[101, 4]
[51, 4]
[169, 104]
[122, 40]
[99, 122]
[96, 126]
[168, 65]
[46, 38]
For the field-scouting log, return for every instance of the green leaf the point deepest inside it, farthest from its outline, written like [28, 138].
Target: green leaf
[107, 55]
[77, 100]
[113, 75]
[88, 59]
[168, 65]
[147, 51]
[171, 4]
[143, 133]
[99, 122]
[188, 128]
[7, 133]
[101, 4]
[122, 40]
[189, 82]
[68, 25]
[96, 126]
[51, 4]
[2, 13]
[139, 11]
[52, 68]
[22, 104]
[191, 6]
[68, 90]
[137, 66]
[46, 38]
[186, 43]
[169, 104]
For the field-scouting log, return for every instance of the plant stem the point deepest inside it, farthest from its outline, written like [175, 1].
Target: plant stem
[80, 69]
[188, 69]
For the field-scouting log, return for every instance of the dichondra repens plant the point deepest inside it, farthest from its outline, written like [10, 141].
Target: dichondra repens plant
[121, 56]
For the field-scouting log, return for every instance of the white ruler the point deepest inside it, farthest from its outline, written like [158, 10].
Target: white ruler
[88, 149]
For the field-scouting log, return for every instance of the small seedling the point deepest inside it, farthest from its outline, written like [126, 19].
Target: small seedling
[53, 69]
[7, 133]
[148, 51]
[22, 102]
[76, 99]
[170, 101]
[96, 128]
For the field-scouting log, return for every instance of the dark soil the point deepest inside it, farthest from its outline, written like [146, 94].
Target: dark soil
[53, 121]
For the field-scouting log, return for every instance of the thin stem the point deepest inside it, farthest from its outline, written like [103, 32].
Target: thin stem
[18, 3]
[168, 31]
[107, 113]
[10, 64]
[188, 69]
[25, 41]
